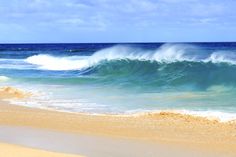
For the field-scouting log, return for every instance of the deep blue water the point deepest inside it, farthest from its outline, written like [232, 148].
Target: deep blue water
[121, 78]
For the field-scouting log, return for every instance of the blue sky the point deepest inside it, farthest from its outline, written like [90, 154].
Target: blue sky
[117, 20]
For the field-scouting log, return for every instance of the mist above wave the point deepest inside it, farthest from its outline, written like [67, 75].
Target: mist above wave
[167, 53]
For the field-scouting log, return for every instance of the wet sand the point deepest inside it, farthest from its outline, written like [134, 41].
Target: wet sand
[92, 145]
[9, 150]
[164, 130]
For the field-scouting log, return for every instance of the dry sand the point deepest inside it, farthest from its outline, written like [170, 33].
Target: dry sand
[169, 128]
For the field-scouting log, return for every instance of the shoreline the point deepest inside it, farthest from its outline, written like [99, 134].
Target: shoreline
[9, 94]
[187, 131]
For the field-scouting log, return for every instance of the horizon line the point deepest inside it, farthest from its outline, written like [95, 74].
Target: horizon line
[116, 42]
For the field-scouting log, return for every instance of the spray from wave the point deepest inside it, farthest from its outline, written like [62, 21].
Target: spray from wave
[168, 53]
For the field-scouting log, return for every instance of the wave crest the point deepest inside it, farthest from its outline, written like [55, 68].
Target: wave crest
[167, 53]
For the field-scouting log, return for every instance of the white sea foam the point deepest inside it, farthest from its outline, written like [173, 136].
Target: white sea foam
[217, 115]
[48, 62]
[4, 78]
[82, 106]
[210, 114]
[222, 57]
[168, 53]
[47, 100]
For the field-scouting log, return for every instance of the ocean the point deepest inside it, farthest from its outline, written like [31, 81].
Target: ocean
[124, 78]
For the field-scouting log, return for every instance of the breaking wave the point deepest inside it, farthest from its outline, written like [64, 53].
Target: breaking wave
[168, 53]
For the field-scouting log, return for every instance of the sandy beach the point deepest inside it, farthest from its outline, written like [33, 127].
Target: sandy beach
[115, 78]
[172, 129]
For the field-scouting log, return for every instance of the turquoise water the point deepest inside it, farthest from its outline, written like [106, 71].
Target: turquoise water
[124, 78]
